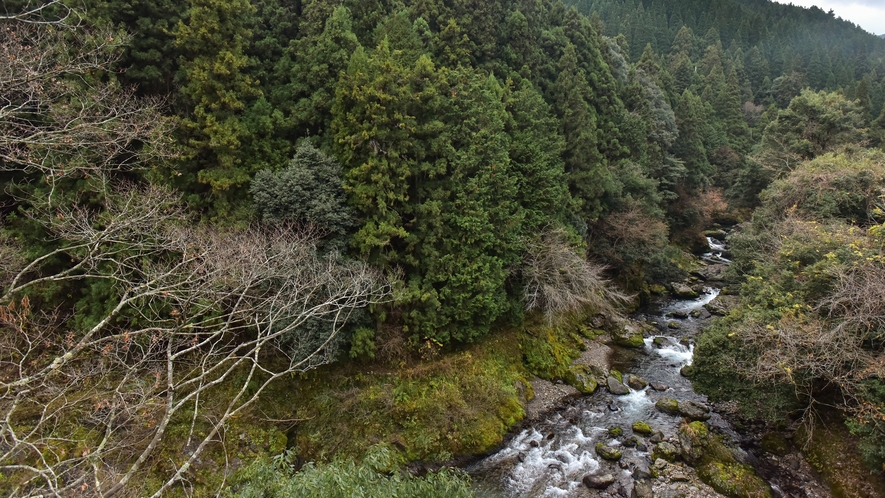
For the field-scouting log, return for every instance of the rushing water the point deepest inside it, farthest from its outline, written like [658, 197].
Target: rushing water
[549, 458]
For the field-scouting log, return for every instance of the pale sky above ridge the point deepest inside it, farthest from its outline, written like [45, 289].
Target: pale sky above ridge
[868, 14]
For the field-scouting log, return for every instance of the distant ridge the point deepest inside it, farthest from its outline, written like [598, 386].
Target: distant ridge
[881, 36]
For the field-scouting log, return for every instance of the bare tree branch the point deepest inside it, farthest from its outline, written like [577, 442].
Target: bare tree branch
[560, 281]
[195, 308]
[57, 118]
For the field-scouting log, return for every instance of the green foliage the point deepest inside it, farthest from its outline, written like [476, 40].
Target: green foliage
[807, 320]
[548, 351]
[374, 477]
[447, 404]
[845, 186]
[813, 124]
[308, 191]
[437, 197]
[217, 88]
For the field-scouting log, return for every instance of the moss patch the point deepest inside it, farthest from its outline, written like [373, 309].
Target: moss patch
[834, 454]
[733, 480]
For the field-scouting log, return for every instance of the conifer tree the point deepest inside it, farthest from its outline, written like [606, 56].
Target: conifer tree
[217, 89]
[689, 145]
[589, 178]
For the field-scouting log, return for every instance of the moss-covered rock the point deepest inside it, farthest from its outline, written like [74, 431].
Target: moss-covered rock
[616, 387]
[684, 291]
[615, 431]
[636, 382]
[734, 480]
[665, 451]
[668, 405]
[641, 427]
[607, 452]
[657, 289]
[628, 335]
[694, 440]
[717, 465]
[580, 377]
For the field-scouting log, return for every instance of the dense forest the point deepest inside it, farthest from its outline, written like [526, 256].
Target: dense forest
[208, 203]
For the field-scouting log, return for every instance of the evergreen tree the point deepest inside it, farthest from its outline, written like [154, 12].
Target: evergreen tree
[311, 66]
[689, 146]
[217, 88]
[589, 177]
[308, 191]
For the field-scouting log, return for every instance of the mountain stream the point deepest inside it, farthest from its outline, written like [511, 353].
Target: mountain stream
[550, 456]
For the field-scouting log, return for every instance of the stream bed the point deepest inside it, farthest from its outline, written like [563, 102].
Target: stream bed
[551, 456]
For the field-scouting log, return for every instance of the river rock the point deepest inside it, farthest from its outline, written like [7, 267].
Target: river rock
[628, 335]
[668, 405]
[722, 304]
[673, 325]
[683, 291]
[580, 377]
[693, 439]
[608, 453]
[657, 386]
[615, 387]
[642, 489]
[678, 314]
[665, 451]
[598, 482]
[636, 382]
[716, 233]
[686, 371]
[641, 427]
[657, 437]
[694, 411]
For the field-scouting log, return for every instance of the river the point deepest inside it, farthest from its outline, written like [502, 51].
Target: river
[550, 457]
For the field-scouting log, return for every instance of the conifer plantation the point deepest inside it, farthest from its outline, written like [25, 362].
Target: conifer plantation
[287, 248]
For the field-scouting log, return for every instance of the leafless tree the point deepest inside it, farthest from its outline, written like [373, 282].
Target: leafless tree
[198, 316]
[43, 12]
[58, 118]
[197, 321]
[559, 280]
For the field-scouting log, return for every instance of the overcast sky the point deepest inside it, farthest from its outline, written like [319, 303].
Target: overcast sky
[868, 14]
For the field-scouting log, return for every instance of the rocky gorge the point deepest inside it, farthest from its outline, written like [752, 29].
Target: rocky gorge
[626, 422]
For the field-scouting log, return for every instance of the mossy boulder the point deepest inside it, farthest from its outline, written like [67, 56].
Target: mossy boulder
[616, 374]
[717, 465]
[628, 337]
[580, 377]
[668, 405]
[665, 451]
[694, 441]
[734, 480]
[641, 427]
[673, 325]
[657, 289]
[683, 290]
[608, 453]
[615, 431]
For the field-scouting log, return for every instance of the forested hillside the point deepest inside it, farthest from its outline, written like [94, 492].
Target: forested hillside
[206, 199]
